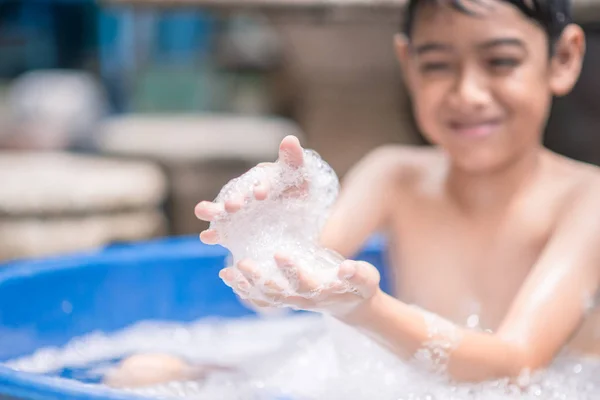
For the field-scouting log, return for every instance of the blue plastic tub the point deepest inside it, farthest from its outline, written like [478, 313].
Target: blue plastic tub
[49, 302]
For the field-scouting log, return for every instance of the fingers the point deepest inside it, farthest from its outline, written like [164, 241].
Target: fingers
[269, 294]
[301, 291]
[261, 191]
[302, 284]
[347, 270]
[209, 236]
[291, 152]
[248, 269]
[208, 211]
[360, 275]
[234, 205]
[357, 279]
[235, 280]
[227, 275]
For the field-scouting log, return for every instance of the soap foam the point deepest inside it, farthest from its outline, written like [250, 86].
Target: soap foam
[301, 357]
[442, 338]
[288, 222]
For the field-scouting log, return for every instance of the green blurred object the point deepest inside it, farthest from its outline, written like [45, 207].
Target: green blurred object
[161, 88]
[4, 112]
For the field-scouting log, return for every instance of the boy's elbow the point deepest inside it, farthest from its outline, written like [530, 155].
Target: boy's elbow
[530, 361]
[512, 362]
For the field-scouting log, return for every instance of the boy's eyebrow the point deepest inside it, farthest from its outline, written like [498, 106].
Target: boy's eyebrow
[436, 46]
[508, 41]
[431, 46]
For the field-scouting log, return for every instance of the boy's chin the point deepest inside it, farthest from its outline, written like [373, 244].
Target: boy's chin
[479, 163]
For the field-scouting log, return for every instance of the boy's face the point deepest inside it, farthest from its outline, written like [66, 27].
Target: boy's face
[482, 85]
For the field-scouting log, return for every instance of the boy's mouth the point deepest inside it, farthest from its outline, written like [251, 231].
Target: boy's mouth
[475, 129]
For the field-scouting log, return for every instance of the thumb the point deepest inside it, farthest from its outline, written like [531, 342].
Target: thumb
[361, 275]
[291, 152]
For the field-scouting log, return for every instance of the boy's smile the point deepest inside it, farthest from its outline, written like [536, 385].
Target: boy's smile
[475, 128]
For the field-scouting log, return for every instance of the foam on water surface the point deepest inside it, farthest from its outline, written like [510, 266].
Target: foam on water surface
[304, 357]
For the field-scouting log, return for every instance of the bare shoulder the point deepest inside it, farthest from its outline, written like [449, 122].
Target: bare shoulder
[582, 183]
[576, 232]
[398, 163]
[583, 177]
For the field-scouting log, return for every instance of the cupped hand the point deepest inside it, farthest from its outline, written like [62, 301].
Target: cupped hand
[357, 282]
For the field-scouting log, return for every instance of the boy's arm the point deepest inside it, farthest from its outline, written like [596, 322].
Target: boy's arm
[364, 202]
[547, 311]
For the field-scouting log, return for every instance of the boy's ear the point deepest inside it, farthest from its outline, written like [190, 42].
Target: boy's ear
[402, 49]
[567, 60]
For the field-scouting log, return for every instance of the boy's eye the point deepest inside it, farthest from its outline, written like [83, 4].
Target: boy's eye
[503, 62]
[435, 67]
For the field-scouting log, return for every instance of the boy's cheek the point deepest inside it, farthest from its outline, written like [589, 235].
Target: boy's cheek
[527, 110]
[427, 121]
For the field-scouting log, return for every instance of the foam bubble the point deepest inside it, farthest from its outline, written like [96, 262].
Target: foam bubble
[288, 221]
[302, 357]
[442, 338]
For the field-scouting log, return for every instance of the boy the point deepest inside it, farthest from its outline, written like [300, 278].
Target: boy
[488, 224]
[487, 229]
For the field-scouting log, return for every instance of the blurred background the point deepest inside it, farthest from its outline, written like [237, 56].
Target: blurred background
[117, 117]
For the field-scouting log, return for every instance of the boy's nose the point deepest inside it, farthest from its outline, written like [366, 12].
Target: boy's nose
[470, 92]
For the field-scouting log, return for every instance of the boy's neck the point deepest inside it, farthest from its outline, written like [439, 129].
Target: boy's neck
[493, 190]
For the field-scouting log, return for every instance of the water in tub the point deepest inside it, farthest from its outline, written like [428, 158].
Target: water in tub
[295, 356]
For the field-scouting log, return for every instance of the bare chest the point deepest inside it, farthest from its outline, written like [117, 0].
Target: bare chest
[468, 271]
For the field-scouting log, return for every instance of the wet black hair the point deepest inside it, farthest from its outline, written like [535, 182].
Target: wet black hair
[552, 15]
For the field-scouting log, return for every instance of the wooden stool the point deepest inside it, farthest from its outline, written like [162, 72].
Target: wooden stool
[56, 202]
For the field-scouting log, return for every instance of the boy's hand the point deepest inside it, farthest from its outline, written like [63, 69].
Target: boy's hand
[357, 282]
[290, 152]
